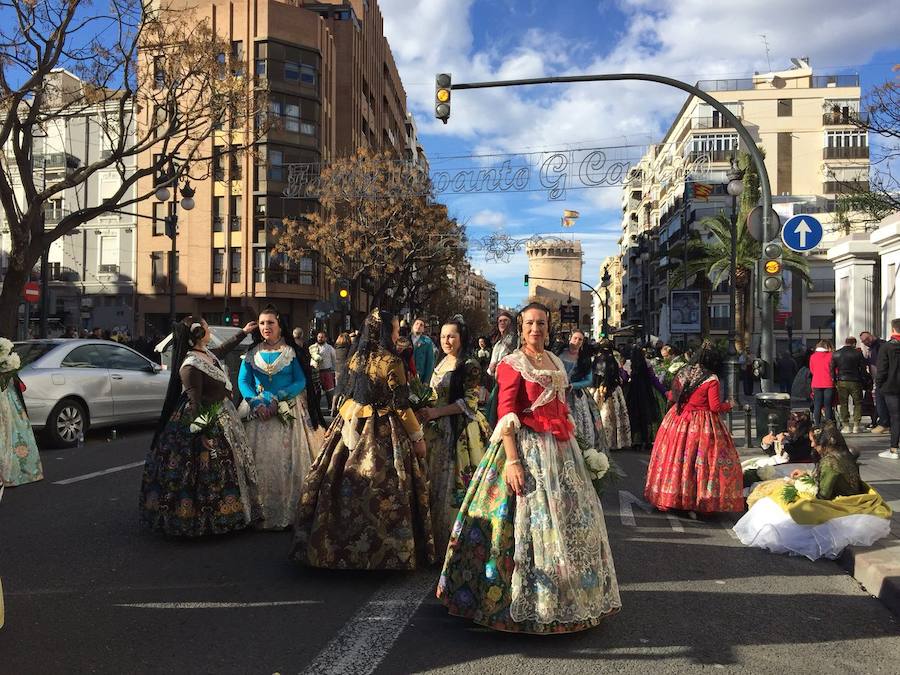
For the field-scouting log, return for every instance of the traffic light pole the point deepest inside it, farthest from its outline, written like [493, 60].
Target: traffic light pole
[767, 342]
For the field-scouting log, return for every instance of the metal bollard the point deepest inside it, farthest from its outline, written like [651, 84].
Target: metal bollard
[747, 425]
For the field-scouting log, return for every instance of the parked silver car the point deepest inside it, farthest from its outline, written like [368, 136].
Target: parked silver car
[72, 385]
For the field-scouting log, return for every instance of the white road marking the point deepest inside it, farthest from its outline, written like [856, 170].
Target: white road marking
[96, 474]
[366, 639]
[626, 512]
[675, 523]
[645, 462]
[729, 528]
[215, 605]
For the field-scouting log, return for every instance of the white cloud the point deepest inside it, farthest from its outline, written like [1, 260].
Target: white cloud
[488, 218]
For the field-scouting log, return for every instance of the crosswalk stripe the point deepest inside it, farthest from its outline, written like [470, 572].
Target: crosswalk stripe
[95, 474]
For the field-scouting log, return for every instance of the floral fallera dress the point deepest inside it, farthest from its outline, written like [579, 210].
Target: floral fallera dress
[456, 445]
[201, 484]
[540, 563]
[694, 465]
[20, 462]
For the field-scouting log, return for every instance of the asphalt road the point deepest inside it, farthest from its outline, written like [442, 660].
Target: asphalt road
[87, 591]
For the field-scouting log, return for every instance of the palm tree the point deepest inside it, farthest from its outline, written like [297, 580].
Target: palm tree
[710, 256]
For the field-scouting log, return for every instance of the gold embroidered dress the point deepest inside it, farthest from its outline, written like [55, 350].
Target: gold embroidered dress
[365, 501]
[456, 444]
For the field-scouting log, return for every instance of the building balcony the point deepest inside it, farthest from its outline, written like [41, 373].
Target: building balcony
[830, 81]
[108, 269]
[55, 161]
[846, 153]
[716, 122]
[844, 117]
[712, 155]
[837, 187]
[738, 84]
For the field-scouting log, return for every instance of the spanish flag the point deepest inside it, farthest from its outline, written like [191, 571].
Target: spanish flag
[569, 218]
[702, 191]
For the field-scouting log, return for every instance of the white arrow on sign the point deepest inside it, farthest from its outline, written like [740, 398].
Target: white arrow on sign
[802, 230]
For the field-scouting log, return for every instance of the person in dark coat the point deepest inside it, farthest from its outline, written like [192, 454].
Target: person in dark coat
[785, 372]
[342, 347]
[887, 379]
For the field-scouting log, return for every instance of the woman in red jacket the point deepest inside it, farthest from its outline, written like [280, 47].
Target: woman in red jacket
[822, 382]
[694, 465]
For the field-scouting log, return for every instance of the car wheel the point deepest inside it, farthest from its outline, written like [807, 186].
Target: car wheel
[66, 422]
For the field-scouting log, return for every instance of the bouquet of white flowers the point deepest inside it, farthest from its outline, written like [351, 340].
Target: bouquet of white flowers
[10, 363]
[602, 470]
[206, 419]
[285, 412]
[804, 486]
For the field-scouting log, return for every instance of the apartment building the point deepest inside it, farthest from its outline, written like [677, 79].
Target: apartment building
[332, 87]
[92, 269]
[803, 122]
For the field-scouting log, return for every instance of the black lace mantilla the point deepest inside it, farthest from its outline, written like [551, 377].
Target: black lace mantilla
[369, 382]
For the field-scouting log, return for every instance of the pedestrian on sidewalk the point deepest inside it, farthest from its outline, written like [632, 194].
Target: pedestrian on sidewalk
[887, 380]
[323, 359]
[849, 372]
[424, 351]
[882, 422]
[822, 381]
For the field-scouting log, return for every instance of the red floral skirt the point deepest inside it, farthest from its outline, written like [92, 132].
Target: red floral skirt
[694, 465]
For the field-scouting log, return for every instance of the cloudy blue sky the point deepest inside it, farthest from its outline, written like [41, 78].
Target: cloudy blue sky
[478, 40]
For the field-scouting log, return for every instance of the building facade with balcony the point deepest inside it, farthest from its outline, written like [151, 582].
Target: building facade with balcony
[332, 87]
[92, 269]
[813, 152]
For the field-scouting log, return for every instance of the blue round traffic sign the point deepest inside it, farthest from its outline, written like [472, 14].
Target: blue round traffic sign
[802, 233]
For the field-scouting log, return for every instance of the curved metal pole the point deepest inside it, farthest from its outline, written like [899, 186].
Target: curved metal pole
[767, 341]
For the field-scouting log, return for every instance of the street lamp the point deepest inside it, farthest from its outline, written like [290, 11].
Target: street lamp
[166, 179]
[732, 365]
[605, 281]
[643, 242]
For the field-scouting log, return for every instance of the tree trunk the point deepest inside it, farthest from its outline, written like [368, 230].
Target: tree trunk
[10, 298]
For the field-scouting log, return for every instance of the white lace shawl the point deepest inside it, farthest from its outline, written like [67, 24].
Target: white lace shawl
[285, 358]
[218, 373]
[554, 383]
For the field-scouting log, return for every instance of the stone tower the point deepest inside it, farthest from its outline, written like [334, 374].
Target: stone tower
[552, 258]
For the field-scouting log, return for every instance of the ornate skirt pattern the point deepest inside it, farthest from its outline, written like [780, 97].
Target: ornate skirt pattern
[452, 461]
[586, 414]
[195, 484]
[20, 462]
[283, 454]
[694, 465]
[365, 508]
[540, 563]
[614, 418]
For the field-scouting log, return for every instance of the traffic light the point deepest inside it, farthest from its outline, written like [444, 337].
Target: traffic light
[442, 97]
[171, 225]
[226, 318]
[343, 292]
[526, 280]
[772, 267]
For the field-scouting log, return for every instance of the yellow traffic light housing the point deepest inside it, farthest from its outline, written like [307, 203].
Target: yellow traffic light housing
[442, 97]
[772, 267]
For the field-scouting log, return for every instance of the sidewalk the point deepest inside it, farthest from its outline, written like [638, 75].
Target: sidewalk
[877, 567]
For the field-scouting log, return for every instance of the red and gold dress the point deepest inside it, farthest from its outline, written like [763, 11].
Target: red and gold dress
[694, 465]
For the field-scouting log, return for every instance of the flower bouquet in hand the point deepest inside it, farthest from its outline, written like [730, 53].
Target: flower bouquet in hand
[804, 486]
[10, 363]
[285, 412]
[602, 470]
[420, 395]
[204, 422]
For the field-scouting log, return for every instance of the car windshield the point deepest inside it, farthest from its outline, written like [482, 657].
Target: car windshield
[29, 352]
